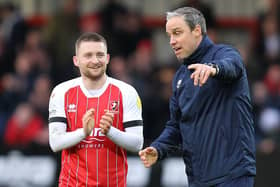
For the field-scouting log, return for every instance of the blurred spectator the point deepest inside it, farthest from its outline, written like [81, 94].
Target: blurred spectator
[17, 85]
[119, 70]
[35, 48]
[141, 64]
[123, 28]
[39, 96]
[268, 43]
[8, 99]
[259, 100]
[272, 80]
[270, 7]
[112, 16]
[132, 33]
[266, 100]
[270, 126]
[91, 23]
[13, 29]
[270, 121]
[156, 105]
[254, 70]
[10, 95]
[23, 128]
[60, 34]
[24, 73]
[271, 43]
[4, 65]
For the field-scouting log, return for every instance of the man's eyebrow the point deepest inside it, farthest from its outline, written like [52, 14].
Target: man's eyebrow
[176, 28]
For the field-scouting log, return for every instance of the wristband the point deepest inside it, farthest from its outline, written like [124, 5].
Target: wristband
[214, 66]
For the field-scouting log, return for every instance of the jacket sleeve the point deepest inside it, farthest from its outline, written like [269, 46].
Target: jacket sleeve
[170, 139]
[229, 63]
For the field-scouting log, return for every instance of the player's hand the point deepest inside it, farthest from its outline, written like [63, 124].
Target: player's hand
[148, 156]
[201, 73]
[106, 121]
[88, 121]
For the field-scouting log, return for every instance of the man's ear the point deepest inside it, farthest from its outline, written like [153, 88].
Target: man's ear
[75, 60]
[108, 58]
[197, 30]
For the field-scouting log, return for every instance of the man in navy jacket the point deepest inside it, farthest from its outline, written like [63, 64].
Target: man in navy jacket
[210, 109]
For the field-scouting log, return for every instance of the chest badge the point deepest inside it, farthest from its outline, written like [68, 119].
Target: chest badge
[114, 106]
[179, 83]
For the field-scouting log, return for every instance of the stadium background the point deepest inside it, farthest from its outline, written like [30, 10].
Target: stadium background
[36, 48]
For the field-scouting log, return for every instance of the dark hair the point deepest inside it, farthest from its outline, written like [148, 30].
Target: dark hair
[191, 16]
[90, 37]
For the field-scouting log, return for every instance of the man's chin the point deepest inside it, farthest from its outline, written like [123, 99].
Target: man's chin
[180, 58]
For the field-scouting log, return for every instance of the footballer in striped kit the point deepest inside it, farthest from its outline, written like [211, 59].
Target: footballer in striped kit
[93, 120]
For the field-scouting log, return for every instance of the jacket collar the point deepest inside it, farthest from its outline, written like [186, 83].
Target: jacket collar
[200, 51]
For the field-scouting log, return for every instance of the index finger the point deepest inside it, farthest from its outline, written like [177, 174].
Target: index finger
[141, 153]
[193, 66]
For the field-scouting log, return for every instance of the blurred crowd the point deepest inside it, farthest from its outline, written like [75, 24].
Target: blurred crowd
[34, 58]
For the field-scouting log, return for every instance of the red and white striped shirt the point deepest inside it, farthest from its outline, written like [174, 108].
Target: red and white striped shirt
[96, 160]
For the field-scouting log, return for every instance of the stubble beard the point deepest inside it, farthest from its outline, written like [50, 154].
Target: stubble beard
[95, 77]
[181, 60]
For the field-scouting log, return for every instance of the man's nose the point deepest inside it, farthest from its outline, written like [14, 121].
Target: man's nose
[94, 59]
[172, 41]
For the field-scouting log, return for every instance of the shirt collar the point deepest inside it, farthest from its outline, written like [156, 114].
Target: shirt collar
[200, 51]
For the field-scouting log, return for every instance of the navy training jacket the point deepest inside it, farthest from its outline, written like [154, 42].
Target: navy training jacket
[213, 124]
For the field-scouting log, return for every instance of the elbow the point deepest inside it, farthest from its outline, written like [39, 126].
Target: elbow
[138, 146]
[53, 147]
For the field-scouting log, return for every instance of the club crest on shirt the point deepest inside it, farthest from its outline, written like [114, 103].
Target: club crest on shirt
[114, 106]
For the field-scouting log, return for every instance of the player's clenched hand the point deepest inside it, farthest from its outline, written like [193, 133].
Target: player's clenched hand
[106, 122]
[201, 73]
[88, 121]
[148, 156]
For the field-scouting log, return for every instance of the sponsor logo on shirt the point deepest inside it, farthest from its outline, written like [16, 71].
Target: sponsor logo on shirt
[96, 135]
[71, 108]
[95, 140]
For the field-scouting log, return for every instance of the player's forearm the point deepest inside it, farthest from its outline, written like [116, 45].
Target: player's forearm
[131, 140]
[60, 139]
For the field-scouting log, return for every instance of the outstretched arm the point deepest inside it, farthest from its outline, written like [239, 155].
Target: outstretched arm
[227, 65]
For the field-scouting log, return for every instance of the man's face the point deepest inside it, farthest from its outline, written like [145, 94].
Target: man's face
[182, 40]
[92, 59]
